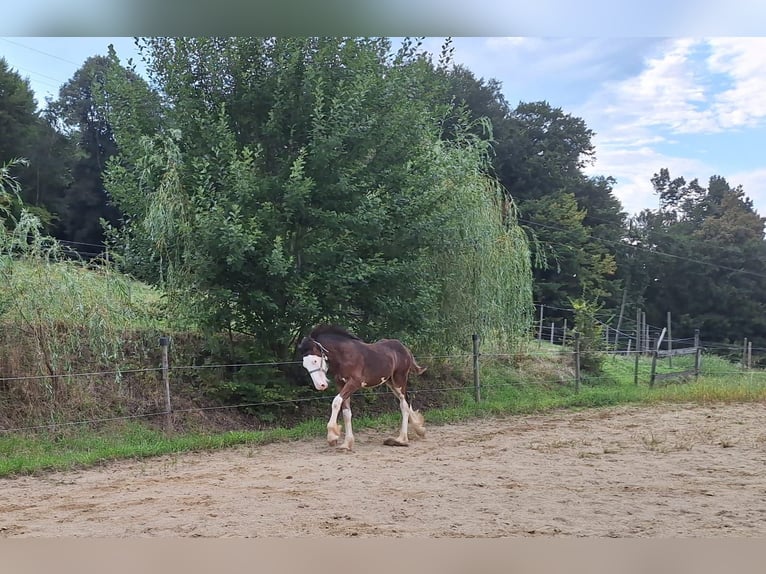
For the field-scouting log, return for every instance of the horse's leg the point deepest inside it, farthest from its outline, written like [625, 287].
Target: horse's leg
[333, 430]
[402, 439]
[418, 422]
[342, 401]
[348, 441]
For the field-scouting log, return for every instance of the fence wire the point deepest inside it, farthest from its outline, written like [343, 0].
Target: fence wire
[528, 353]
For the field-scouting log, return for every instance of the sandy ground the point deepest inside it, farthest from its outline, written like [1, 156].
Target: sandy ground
[669, 471]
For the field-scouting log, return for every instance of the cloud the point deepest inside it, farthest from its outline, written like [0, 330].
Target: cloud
[688, 91]
[633, 167]
[743, 60]
[691, 86]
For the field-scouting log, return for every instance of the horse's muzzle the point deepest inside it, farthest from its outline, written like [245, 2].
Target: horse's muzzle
[317, 368]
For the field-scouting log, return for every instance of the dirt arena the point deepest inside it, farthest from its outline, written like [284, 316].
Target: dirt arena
[628, 472]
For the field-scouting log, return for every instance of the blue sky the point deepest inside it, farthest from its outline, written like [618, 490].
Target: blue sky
[694, 105]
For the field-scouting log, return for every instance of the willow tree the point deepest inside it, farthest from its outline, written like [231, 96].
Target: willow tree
[292, 181]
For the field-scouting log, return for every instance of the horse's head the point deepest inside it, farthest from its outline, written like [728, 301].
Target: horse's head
[314, 361]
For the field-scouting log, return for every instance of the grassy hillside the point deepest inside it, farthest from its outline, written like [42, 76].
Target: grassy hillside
[61, 319]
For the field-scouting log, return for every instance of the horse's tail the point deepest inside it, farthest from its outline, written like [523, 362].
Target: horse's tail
[414, 367]
[417, 368]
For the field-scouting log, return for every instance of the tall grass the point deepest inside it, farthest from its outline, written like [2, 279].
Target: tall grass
[60, 317]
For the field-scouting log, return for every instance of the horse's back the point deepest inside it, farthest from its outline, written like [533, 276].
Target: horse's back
[402, 355]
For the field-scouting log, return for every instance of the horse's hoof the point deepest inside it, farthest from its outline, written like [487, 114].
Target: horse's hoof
[394, 442]
[333, 442]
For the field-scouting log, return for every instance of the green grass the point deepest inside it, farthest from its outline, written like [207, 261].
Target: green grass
[82, 448]
[504, 393]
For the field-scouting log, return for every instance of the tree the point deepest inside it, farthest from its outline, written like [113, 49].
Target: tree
[78, 115]
[538, 153]
[18, 113]
[708, 263]
[568, 216]
[298, 180]
[549, 150]
[25, 134]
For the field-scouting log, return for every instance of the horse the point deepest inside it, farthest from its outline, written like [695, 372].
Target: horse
[354, 364]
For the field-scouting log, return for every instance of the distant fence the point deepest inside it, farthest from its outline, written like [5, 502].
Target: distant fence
[658, 353]
[552, 326]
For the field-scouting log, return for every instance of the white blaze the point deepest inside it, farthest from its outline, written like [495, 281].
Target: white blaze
[317, 368]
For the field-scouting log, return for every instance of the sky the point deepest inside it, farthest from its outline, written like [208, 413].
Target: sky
[694, 105]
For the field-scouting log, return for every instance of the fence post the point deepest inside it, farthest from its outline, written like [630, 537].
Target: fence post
[670, 344]
[476, 383]
[638, 346]
[577, 361]
[165, 344]
[744, 355]
[656, 352]
[540, 331]
[698, 354]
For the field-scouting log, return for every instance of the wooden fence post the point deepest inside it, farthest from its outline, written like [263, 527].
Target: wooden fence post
[697, 355]
[670, 344]
[476, 382]
[744, 355]
[165, 344]
[577, 361]
[654, 357]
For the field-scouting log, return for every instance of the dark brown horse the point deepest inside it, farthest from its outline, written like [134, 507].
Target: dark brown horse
[354, 364]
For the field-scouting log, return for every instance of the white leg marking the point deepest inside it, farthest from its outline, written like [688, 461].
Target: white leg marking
[333, 430]
[405, 410]
[348, 441]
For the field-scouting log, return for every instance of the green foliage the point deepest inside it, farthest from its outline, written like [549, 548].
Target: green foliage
[703, 259]
[25, 133]
[18, 118]
[538, 153]
[591, 334]
[77, 114]
[299, 180]
[10, 200]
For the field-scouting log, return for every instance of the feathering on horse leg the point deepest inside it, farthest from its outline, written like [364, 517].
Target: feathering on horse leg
[333, 429]
[405, 409]
[402, 439]
[348, 441]
[418, 422]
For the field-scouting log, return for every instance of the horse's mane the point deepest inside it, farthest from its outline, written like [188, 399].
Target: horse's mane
[331, 330]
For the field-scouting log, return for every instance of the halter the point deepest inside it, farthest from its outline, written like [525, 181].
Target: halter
[323, 364]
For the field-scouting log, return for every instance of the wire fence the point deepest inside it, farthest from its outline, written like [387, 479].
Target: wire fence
[568, 353]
